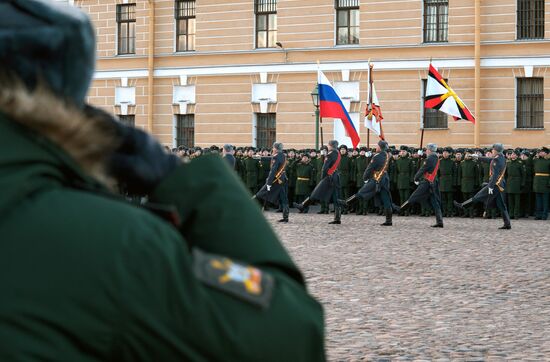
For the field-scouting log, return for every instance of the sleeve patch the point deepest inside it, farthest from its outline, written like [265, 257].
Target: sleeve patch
[242, 281]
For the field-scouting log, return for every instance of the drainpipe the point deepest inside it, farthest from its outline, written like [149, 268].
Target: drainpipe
[477, 86]
[150, 65]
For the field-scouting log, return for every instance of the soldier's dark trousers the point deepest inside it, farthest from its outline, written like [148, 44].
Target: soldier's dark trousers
[542, 205]
[482, 196]
[447, 203]
[404, 195]
[527, 204]
[283, 201]
[337, 206]
[469, 211]
[291, 195]
[514, 202]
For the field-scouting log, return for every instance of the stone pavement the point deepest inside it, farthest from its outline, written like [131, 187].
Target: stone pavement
[468, 292]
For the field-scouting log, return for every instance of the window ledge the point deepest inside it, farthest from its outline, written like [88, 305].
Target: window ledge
[529, 129]
[347, 45]
[184, 51]
[435, 129]
[530, 40]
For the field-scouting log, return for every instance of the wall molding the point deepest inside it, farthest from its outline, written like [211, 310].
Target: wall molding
[389, 65]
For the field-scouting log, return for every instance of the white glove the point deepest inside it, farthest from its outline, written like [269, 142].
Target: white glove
[490, 191]
[417, 183]
[366, 181]
[268, 187]
[475, 155]
[368, 154]
[420, 152]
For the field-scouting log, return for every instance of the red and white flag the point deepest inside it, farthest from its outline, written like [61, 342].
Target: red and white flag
[373, 117]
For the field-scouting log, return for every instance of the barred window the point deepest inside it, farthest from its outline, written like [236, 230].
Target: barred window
[432, 118]
[530, 103]
[185, 130]
[185, 25]
[126, 24]
[436, 21]
[347, 22]
[266, 23]
[530, 19]
[265, 130]
[129, 120]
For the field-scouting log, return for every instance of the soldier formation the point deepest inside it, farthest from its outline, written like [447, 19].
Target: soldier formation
[461, 174]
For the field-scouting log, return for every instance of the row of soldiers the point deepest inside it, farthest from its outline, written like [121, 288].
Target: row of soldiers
[460, 177]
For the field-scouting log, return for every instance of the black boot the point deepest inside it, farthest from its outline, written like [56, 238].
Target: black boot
[286, 211]
[389, 214]
[337, 216]
[506, 218]
[438, 219]
[303, 205]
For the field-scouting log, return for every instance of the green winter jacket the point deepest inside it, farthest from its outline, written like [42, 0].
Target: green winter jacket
[86, 276]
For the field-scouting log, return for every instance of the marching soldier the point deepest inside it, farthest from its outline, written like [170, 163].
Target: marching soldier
[446, 182]
[492, 193]
[515, 182]
[541, 183]
[428, 188]
[404, 169]
[377, 182]
[329, 186]
[484, 171]
[275, 190]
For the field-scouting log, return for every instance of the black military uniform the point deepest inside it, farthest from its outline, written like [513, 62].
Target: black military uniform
[329, 186]
[275, 190]
[428, 186]
[493, 192]
[377, 182]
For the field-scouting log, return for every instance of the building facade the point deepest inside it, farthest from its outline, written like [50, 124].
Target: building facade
[197, 73]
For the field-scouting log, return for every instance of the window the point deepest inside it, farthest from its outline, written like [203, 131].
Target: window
[530, 20]
[347, 22]
[265, 130]
[126, 21]
[266, 23]
[436, 21]
[128, 120]
[185, 130]
[530, 103]
[432, 118]
[185, 25]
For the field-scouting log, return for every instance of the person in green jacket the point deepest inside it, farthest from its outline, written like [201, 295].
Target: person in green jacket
[345, 172]
[515, 182]
[195, 274]
[446, 181]
[361, 164]
[484, 176]
[252, 168]
[541, 183]
[305, 180]
[404, 170]
[318, 165]
[291, 174]
[527, 196]
[468, 173]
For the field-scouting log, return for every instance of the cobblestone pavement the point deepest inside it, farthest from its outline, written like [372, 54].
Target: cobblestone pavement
[468, 292]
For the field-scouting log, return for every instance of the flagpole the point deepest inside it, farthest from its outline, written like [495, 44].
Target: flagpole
[422, 131]
[369, 103]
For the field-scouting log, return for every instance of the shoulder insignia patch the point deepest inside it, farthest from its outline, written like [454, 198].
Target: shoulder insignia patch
[242, 281]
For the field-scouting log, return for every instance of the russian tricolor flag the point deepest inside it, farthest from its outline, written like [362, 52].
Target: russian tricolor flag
[331, 106]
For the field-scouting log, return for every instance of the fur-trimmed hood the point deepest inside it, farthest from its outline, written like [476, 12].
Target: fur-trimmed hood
[46, 143]
[86, 135]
